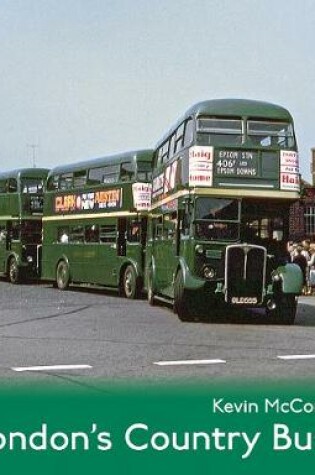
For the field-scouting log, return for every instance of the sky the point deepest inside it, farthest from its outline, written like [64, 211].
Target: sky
[85, 78]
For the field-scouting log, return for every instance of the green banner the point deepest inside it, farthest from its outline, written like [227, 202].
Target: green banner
[127, 428]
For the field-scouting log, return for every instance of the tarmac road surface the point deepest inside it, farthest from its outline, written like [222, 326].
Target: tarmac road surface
[82, 334]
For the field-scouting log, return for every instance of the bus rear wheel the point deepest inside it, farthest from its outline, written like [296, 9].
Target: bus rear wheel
[150, 291]
[14, 273]
[62, 275]
[130, 285]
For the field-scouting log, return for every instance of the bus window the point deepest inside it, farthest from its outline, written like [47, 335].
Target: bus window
[164, 153]
[53, 183]
[108, 233]
[110, 174]
[158, 228]
[3, 188]
[76, 234]
[217, 219]
[14, 230]
[12, 185]
[32, 185]
[189, 132]
[144, 171]
[179, 138]
[66, 181]
[79, 179]
[169, 225]
[92, 233]
[3, 233]
[126, 171]
[267, 134]
[134, 231]
[214, 131]
[216, 209]
[63, 235]
[172, 145]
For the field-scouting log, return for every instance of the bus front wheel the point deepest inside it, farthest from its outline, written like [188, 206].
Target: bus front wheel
[62, 275]
[129, 283]
[14, 271]
[182, 299]
[285, 311]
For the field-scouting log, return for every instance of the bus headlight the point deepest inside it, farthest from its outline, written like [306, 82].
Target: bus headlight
[199, 249]
[276, 277]
[209, 272]
[29, 259]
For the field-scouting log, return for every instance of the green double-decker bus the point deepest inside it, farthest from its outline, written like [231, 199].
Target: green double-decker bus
[224, 177]
[21, 210]
[95, 222]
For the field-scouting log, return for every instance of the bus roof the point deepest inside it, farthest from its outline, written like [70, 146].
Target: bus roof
[24, 173]
[135, 155]
[245, 108]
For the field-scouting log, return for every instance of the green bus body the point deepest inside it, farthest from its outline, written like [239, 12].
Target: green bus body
[95, 222]
[223, 180]
[21, 209]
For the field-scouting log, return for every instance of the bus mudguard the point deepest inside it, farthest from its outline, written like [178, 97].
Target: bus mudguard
[291, 278]
[190, 281]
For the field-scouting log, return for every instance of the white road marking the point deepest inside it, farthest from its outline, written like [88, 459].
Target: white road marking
[52, 368]
[188, 362]
[297, 357]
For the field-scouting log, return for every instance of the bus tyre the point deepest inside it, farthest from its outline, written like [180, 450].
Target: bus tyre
[14, 273]
[150, 288]
[182, 303]
[129, 283]
[63, 275]
[284, 313]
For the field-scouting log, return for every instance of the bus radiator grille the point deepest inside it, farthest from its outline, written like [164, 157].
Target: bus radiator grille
[245, 274]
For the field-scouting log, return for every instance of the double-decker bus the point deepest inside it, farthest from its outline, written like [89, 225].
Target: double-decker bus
[224, 177]
[95, 222]
[21, 209]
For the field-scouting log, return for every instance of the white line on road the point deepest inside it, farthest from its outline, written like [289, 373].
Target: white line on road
[188, 362]
[297, 357]
[52, 368]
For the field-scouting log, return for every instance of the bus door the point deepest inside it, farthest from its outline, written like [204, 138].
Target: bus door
[121, 237]
[165, 249]
[3, 246]
[136, 240]
[170, 246]
[109, 250]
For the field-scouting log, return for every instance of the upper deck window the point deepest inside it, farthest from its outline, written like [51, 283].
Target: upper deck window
[106, 174]
[12, 185]
[79, 179]
[270, 134]
[144, 171]
[3, 186]
[32, 185]
[127, 171]
[66, 181]
[216, 131]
